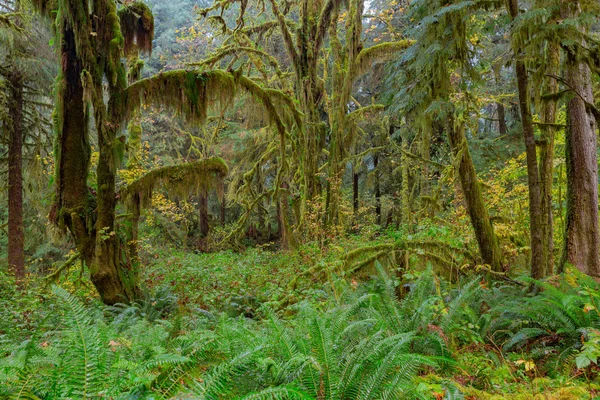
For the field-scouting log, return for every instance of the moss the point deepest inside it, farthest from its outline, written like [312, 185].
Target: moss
[382, 51]
[134, 142]
[188, 93]
[134, 69]
[137, 27]
[182, 179]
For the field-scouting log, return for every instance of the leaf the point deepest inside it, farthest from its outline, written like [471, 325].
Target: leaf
[582, 361]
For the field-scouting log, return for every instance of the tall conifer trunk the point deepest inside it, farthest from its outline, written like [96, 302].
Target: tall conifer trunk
[582, 237]
[377, 188]
[16, 233]
[547, 157]
[355, 192]
[538, 262]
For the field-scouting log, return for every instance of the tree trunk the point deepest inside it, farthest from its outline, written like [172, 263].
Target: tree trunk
[112, 272]
[355, 193]
[222, 210]
[203, 213]
[377, 188]
[405, 191]
[74, 202]
[16, 233]
[538, 267]
[502, 128]
[581, 235]
[547, 158]
[427, 133]
[480, 219]
[92, 225]
[286, 234]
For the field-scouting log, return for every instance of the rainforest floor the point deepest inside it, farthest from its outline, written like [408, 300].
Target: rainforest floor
[272, 324]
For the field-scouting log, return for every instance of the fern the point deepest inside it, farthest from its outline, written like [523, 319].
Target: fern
[84, 359]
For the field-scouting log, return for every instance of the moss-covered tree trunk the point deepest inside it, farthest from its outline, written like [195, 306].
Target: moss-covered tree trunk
[75, 202]
[203, 213]
[112, 272]
[16, 233]
[478, 212]
[582, 238]
[425, 150]
[89, 216]
[547, 156]
[538, 261]
[405, 188]
[354, 191]
[377, 188]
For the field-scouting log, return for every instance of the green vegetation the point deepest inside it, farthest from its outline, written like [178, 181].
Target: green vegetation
[299, 199]
[327, 337]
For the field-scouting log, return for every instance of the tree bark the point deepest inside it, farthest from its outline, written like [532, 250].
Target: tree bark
[405, 188]
[537, 262]
[547, 158]
[355, 193]
[427, 133]
[90, 219]
[16, 233]
[480, 219]
[377, 188]
[203, 214]
[222, 210]
[502, 128]
[581, 234]
[74, 202]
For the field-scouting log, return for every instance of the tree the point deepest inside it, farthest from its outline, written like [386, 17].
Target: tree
[93, 41]
[582, 235]
[24, 85]
[442, 50]
[538, 261]
[323, 79]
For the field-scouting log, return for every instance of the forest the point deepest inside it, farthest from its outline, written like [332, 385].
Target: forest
[299, 199]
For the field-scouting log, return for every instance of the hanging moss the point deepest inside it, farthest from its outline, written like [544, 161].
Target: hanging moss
[181, 180]
[188, 93]
[379, 52]
[137, 27]
[134, 69]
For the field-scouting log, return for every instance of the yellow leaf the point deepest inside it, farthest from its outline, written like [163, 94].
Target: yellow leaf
[588, 307]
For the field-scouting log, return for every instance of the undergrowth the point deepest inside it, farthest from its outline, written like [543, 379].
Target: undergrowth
[381, 337]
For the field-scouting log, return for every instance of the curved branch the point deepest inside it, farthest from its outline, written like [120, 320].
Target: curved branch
[182, 179]
[359, 113]
[379, 52]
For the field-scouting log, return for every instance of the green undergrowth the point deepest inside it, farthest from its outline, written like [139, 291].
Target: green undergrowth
[238, 326]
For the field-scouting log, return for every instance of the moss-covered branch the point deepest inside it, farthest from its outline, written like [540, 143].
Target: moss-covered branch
[361, 112]
[137, 27]
[324, 21]
[182, 179]
[188, 93]
[379, 52]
